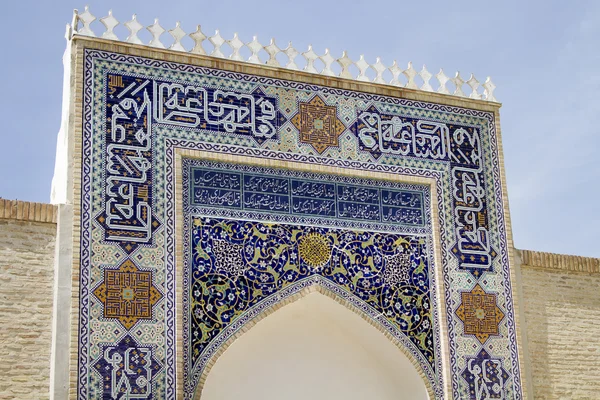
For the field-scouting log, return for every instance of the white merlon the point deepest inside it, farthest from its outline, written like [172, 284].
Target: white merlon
[470, 88]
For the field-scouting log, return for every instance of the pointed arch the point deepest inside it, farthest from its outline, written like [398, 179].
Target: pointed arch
[350, 303]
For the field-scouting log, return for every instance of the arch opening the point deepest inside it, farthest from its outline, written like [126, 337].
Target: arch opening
[313, 348]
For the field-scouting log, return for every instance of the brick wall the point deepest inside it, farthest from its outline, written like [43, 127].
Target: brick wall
[562, 311]
[27, 235]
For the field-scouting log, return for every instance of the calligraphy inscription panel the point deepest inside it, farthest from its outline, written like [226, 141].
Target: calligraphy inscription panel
[138, 113]
[305, 195]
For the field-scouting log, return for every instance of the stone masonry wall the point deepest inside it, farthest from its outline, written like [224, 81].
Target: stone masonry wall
[27, 236]
[562, 311]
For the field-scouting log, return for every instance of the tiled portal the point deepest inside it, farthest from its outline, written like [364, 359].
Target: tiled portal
[393, 205]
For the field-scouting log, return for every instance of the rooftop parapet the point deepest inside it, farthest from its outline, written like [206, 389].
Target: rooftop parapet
[540, 259]
[308, 61]
[28, 211]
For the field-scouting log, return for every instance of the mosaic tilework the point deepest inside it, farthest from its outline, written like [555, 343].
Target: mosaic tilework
[127, 294]
[127, 370]
[137, 111]
[236, 264]
[281, 193]
[382, 134]
[479, 313]
[486, 377]
[128, 216]
[232, 265]
[318, 124]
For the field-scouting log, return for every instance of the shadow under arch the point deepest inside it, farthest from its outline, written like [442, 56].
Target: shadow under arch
[292, 294]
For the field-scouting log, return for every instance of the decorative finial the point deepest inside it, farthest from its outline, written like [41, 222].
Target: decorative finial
[81, 25]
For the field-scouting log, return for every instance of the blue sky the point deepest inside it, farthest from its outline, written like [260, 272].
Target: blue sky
[542, 55]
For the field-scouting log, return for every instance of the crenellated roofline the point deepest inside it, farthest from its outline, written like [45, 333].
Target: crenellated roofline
[289, 57]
